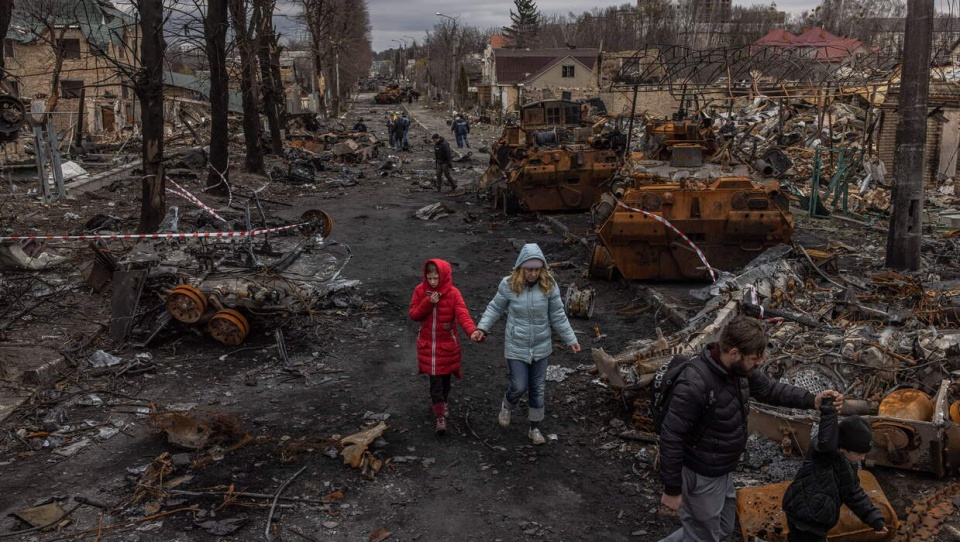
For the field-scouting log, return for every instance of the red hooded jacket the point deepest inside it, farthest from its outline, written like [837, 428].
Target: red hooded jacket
[438, 344]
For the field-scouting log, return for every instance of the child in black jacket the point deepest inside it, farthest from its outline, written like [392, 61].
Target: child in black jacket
[828, 479]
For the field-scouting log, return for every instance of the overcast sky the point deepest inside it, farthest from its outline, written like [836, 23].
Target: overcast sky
[403, 19]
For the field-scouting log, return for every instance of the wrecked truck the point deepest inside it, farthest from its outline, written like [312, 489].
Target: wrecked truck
[551, 161]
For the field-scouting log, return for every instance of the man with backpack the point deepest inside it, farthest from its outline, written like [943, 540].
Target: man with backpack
[700, 412]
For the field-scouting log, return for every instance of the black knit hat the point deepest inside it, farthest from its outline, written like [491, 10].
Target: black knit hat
[855, 435]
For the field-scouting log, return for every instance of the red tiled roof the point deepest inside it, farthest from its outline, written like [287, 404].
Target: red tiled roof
[516, 65]
[499, 41]
[829, 46]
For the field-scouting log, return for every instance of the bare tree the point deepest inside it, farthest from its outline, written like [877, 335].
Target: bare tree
[215, 28]
[268, 55]
[6, 12]
[149, 88]
[245, 22]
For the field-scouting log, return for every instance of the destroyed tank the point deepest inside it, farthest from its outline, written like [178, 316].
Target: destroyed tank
[393, 94]
[551, 161]
[731, 220]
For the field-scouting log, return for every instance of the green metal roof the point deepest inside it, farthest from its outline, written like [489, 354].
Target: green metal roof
[100, 21]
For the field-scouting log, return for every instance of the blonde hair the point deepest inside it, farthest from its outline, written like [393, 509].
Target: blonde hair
[517, 282]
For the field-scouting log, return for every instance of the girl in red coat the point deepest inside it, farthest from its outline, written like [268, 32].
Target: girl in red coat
[439, 307]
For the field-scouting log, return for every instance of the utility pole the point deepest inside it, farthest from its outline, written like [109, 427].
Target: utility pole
[906, 219]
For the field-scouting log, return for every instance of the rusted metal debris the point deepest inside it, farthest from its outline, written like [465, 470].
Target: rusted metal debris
[760, 513]
[729, 219]
[926, 516]
[218, 285]
[551, 161]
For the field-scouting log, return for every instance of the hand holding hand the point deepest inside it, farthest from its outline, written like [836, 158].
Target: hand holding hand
[828, 395]
[477, 336]
[883, 531]
[575, 348]
[434, 297]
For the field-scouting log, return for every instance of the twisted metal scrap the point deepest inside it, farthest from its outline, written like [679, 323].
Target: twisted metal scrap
[926, 516]
[724, 72]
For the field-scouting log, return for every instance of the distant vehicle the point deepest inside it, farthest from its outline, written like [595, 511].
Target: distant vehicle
[551, 161]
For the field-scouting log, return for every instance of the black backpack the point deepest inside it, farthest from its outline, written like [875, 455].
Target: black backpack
[663, 383]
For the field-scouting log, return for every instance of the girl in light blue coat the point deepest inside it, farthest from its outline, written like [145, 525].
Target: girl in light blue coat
[531, 299]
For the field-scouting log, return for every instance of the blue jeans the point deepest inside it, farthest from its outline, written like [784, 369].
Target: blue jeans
[526, 377]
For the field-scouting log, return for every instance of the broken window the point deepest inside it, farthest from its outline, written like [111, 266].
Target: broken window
[69, 48]
[8, 48]
[568, 71]
[70, 89]
[553, 115]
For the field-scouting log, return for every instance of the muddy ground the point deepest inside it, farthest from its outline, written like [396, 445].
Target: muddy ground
[350, 366]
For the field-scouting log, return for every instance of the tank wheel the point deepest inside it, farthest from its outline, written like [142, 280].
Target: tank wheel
[229, 327]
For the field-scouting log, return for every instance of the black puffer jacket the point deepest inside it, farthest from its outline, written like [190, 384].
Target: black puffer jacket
[826, 481]
[725, 436]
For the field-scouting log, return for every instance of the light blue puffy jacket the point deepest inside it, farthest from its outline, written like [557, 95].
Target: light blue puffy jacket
[531, 316]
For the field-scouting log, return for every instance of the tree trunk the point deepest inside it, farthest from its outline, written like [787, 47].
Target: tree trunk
[6, 12]
[246, 37]
[278, 82]
[149, 88]
[906, 218]
[268, 42]
[215, 33]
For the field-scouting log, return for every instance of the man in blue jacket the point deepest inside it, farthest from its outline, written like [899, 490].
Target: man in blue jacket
[461, 127]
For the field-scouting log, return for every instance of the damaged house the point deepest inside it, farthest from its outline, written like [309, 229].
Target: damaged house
[520, 75]
[64, 53]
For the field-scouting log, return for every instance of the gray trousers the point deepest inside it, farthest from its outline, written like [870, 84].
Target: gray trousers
[709, 509]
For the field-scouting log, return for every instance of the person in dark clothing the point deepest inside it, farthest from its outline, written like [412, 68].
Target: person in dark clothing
[443, 156]
[700, 447]
[461, 128]
[828, 479]
[360, 126]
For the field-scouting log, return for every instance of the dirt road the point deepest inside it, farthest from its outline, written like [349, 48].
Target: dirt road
[350, 367]
[479, 482]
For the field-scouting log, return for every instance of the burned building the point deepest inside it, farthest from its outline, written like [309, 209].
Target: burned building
[83, 42]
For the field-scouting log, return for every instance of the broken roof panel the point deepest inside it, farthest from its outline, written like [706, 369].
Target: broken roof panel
[100, 21]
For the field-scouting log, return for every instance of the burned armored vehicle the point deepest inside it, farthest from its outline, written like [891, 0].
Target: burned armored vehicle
[652, 227]
[551, 160]
[393, 94]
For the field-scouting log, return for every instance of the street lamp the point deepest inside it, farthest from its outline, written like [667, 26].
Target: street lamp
[453, 74]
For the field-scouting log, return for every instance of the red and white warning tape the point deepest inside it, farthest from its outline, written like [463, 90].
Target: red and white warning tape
[665, 222]
[218, 234]
[183, 193]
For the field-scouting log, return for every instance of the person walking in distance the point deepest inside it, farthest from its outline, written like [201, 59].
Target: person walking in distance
[530, 297]
[700, 446]
[443, 157]
[461, 129]
[438, 305]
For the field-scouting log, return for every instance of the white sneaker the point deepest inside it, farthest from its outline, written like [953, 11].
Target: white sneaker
[536, 436]
[504, 417]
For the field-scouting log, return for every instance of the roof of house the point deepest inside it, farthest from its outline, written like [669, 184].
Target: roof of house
[201, 87]
[519, 65]
[101, 22]
[499, 41]
[830, 47]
